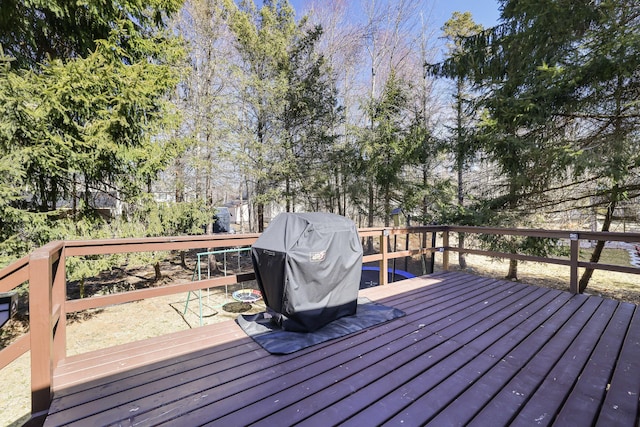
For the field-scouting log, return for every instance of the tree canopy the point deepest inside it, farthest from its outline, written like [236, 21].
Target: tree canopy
[34, 32]
[83, 106]
[559, 82]
[243, 102]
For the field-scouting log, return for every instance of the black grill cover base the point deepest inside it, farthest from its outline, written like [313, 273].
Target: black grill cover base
[308, 268]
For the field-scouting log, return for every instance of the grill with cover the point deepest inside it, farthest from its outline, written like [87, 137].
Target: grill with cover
[308, 268]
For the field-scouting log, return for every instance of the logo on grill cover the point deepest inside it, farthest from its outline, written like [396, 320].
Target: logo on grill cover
[317, 256]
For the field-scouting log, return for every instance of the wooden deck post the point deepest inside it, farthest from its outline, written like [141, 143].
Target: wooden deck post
[573, 259]
[384, 251]
[445, 252]
[40, 313]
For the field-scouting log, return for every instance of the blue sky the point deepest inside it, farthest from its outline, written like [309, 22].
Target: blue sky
[484, 12]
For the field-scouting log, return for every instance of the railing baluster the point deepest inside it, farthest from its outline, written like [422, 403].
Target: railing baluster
[384, 251]
[445, 253]
[573, 260]
[59, 297]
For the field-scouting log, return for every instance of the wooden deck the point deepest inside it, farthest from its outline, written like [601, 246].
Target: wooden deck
[470, 350]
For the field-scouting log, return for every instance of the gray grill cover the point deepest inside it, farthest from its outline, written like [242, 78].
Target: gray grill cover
[308, 268]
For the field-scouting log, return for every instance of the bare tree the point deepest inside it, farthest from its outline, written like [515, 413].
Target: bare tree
[204, 100]
[390, 41]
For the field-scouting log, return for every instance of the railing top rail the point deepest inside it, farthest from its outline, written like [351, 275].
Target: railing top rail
[13, 271]
[110, 246]
[48, 249]
[560, 234]
[378, 231]
[612, 236]
[120, 244]
[137, 240]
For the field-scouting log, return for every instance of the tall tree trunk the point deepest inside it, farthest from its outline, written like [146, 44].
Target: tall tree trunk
[460, 164]
[370, 217]
[179, 181]
[344, 195]
[262, 141]
[462, 260]
[424, 219]
[387, 206]
[614, 195]
[179, 194]
[597, 251]
[260, 215]
[287, 183]
[337, 194]
[156, 268]
[208, 179]
[198, 171]
[211, 258]
[74, 197]
[512, 274]
[425, 181]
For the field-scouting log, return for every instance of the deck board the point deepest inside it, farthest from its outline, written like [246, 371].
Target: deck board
[621, 402]
[106, 362]
[534, 367]
[550, 395]
[470, 350]
[508, 357]
[582, 405]
[463, 368]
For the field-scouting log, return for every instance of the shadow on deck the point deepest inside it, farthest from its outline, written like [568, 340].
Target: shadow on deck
[471, 350]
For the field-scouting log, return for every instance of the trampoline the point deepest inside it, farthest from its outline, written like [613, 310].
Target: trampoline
[371, 276]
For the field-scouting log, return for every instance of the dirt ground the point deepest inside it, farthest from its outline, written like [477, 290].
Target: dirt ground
[152, 317]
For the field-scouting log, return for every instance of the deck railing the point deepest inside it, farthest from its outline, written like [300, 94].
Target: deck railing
[44, 271]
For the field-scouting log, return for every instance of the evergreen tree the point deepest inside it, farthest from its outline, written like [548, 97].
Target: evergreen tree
[35, 32]
[204, 98]
[388, 149]
[262, 38]
[309, 117]
[561, 86]
[84, 106]
[456, 29]
[288, 100]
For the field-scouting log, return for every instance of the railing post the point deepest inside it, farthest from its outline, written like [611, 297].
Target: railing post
[59, 297]
[445, 253]
[40, 305]
[573, 262]
[384, 251]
